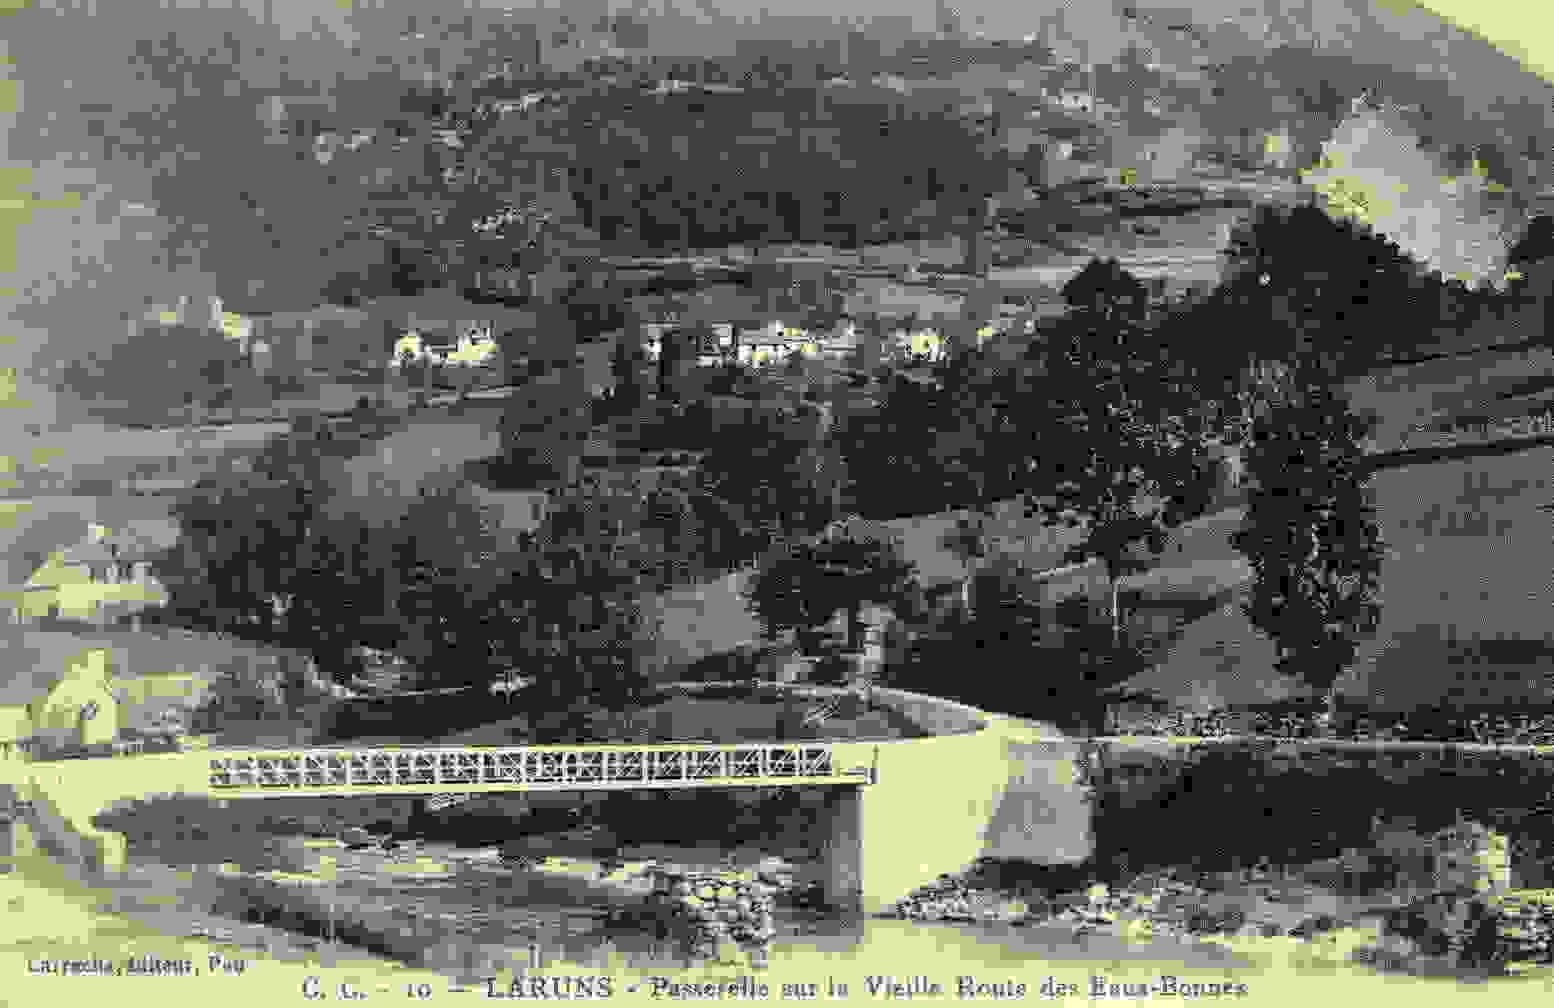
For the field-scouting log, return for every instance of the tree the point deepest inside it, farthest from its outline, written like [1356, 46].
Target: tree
[1114, 441]
[626, 368]
[242, 537]
[802, 588]
[442, 564]
[163, 372]
[966, 540]
[1108, 291]
[1310, 536]
[340, 596]
[416, 582]
[417, 370]
[224, 573]
[1301, 284]
[779, 472]
[1013, 654]
[258, 200]
[689, 535]
[546, 423]
[285, 555]
[1529, 258]
[991, 427]
[676, 358]
[568, 606]
[907, 457]
[666, 183]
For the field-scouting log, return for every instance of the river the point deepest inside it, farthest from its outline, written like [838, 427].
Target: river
[468, 917]
[468, 924]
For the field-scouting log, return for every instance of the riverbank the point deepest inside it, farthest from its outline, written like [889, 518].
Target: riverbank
[152, 915]
[50, 917]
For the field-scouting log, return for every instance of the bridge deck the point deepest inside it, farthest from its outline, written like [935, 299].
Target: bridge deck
[531, 768]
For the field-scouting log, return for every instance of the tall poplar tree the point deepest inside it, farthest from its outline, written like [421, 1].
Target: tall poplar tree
[1311, 537]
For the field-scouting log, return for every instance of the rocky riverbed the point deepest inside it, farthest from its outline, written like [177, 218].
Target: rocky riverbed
[468, 914]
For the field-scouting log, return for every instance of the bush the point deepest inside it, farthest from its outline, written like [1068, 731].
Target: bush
[239, 695]
[1463, 927]
[833, 670]
[1469, 856]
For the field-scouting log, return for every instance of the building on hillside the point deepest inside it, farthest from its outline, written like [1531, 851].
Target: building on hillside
[81, 709]
[1075, 101]
[297, 116]
[718, 318]
[207, 312]
[708, 343]
[918, 342]
[844, 341]
[185, 310]
[773, 344]
[334, 339]
[711, 343]
[475, 347]
[103, 579]
[1153, 160]
[516, 511]
[719, 314]
[444, 324]
[1530, 268]
[61, 696]
[155, 679]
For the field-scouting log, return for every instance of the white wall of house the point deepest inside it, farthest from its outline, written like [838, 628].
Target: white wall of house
[766, 351]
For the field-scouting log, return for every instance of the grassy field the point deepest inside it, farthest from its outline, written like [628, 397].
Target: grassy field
[1405, 395]
[1465, 591]
[1466, 578]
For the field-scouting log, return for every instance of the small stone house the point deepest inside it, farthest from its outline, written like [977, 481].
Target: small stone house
[81, 709]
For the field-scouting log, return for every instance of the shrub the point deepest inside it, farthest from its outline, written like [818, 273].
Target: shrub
[1464, 927]
[239, 695]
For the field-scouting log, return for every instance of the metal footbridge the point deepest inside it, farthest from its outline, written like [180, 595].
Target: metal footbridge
[448, 772]
[1010, 795]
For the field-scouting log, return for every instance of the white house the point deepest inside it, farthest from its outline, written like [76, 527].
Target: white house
[101, 579]
[475, 347]
[1075, 101]
[715, 345]
[81, 709]
[919, 341]
[844, 339]
[773, 344]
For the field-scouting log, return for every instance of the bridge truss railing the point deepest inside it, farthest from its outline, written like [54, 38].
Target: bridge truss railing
[556, 768]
